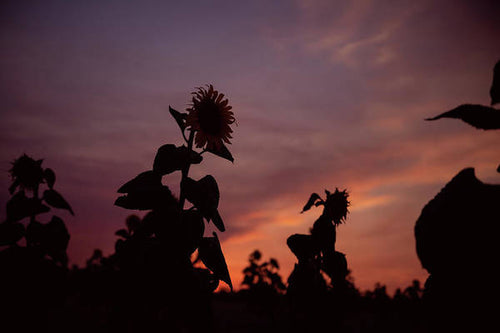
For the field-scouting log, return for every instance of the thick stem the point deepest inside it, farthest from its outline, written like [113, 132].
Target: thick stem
[185, 171]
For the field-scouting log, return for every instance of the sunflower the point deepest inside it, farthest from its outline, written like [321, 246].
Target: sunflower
[26, 173]
[210, 116]
[336, 206]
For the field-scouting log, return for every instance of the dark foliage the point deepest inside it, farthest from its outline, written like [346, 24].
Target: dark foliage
[479, 116]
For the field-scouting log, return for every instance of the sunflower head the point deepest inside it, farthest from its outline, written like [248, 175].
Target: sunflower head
[210, 117]
[26, 172]
[336, 206]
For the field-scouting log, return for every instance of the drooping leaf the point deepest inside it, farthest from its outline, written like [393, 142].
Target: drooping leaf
[11, 232]
[314, 199]
[479, 116]
[148, 199]
[50, 177]
[179, 117]
[217, 220]
[56, 200]
[222, 151]
[211, 255]
[495, 85]
[204, 195]
[170, 158]
[144, 181]
[20, 206]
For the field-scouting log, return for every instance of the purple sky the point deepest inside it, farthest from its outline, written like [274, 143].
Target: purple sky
[326, 94]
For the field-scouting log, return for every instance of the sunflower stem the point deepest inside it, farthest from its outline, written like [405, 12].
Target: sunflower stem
[185, 170]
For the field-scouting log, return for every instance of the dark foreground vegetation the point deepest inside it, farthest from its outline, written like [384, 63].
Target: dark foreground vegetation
[164, 271]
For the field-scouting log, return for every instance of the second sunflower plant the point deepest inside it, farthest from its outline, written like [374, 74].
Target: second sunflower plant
[205, 125]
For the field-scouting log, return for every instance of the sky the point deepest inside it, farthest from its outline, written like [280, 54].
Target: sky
[326, 94]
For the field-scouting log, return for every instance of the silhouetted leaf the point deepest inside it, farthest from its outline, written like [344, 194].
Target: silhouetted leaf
[50, 177]
[122, 233]
[11, 232]
[148, 199]
[313, 199]
[148, 180]
[302, 246]
[180, 118]
[217, 220]
[204, 195]
[222, 151]
[170, 158]
[479, 116]
[498, 169]
[19, 206]
[56, 200]
[211, 255]
[495, 85]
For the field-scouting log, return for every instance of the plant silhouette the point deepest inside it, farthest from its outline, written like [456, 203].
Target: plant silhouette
[456, 236]
[33, 260]
[262, 277]
[157, 250]
[316, 252]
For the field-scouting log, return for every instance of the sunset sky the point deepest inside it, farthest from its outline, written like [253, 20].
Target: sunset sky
[326, 94]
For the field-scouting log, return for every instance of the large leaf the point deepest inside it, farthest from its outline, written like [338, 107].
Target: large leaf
[148, 180]
[56, 200]
[11, 232]
[170, 158]
[313, 199]
[20, 206]
[479, 116]
[179, 117]
[204, 195]
[211, 255]
[147, 199]
[222, 151]
[302, 246]
[495, 85]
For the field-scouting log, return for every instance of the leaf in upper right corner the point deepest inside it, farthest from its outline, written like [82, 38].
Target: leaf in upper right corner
[478, 116]
[222, 152]
[179, 117]
[495, 85]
